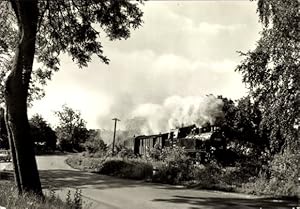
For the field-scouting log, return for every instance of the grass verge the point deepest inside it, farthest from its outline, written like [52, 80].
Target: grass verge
[10, 199]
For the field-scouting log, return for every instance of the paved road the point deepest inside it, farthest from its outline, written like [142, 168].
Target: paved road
[112, 193]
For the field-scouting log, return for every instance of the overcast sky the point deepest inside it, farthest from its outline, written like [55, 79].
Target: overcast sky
[184, 48]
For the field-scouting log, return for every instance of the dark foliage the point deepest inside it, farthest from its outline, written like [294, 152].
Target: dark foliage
[43, 30]
[42, 134]
[71, 132]
[94, 143]
[271, 72]
[3, 132]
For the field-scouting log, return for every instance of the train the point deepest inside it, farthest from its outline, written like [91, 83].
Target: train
[197, 141]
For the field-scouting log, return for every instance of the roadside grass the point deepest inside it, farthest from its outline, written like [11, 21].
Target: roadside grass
[10, 199]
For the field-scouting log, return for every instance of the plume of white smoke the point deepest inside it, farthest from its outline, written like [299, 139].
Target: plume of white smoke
[193, 110]
[175, 112]
[137, 126]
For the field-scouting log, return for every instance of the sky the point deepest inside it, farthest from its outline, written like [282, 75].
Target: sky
[183, 49]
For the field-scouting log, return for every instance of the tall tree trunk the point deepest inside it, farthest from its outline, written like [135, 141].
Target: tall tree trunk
[16, 93]
[13, 154]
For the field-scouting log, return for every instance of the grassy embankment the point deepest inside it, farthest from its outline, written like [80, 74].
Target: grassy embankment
[10, 199]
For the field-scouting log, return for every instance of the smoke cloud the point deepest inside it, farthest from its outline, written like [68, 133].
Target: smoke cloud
[174, 112]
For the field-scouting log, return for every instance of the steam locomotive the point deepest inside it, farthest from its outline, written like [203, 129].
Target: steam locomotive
[195, 140]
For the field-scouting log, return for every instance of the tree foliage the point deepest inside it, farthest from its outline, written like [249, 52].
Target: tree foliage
[8, 43]
[247, 122]
[41, 30]
[41, 132]
[71, 27]
[8, 40]
[94, 143]
[227, 122]
[271, 71]
[71, 131]
[241, 127]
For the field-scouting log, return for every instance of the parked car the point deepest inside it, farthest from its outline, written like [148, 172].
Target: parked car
[5, 156]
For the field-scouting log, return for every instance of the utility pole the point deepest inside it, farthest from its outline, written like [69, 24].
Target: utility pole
[115, 129]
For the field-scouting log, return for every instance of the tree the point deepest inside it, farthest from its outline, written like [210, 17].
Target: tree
[71, 131]
[227, 122]
[241, 127]
[3, 133]
[248, 119]
[44, 29]
[41, 132]
[94, 143]
[271, 72]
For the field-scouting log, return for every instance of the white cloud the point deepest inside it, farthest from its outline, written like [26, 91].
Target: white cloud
[225, 65]
[215, 29]
[90, 104]
[171, 63]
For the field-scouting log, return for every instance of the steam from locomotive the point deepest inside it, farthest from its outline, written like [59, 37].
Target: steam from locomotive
[173, 113]
[188, 122]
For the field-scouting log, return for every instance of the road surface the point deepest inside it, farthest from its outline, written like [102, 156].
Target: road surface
[104, 192]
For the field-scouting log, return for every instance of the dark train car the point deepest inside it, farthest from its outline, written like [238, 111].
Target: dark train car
[194, 139]
[142, 143]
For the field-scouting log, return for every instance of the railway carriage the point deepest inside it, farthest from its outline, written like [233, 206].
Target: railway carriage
[197, 141]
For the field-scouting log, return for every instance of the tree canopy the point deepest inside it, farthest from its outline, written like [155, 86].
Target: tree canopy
[71, 27]
[42, 132]
[71, 131]
[42, 30]
[271, 71]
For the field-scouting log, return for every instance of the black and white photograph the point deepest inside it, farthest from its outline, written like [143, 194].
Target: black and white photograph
[149, 104]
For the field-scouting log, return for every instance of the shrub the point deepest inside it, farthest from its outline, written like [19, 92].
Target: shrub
[256, 185]
[9, 198]
[285, 171]
[95, 144]
[84, 163]
[280, 180]
[92, 164]
[236, 175]
[127, 168]
[75, 161]
[126, 153]
[112, 166]
[76, 202]
[175, 166]
[210, 174]
[154, 153]
[99, 154]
